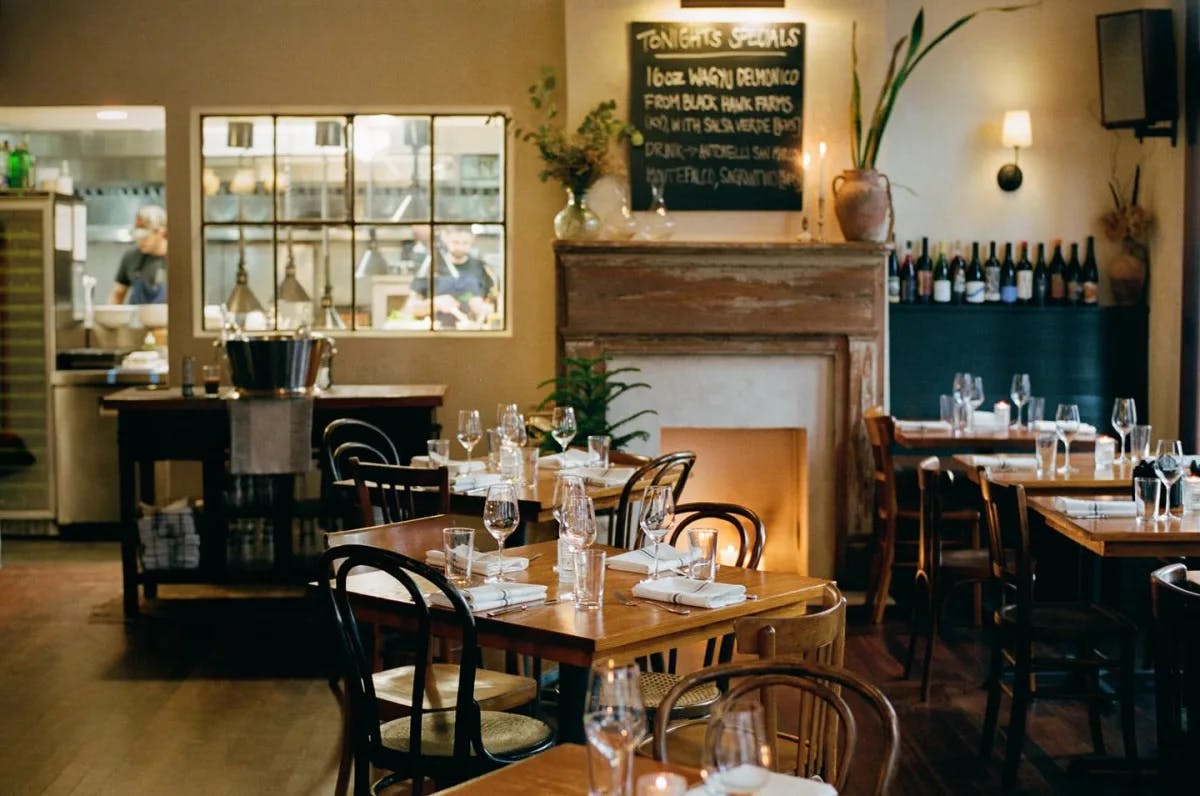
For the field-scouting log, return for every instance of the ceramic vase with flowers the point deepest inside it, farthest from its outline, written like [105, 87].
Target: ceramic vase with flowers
[1128, 224]
[575, 159]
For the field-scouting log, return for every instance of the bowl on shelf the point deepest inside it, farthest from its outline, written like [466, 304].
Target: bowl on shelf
[115, 316]
[152, 315]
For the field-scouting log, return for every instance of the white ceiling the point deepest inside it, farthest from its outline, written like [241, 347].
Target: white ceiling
[80, 118]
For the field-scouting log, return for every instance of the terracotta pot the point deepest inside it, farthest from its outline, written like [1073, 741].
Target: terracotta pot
[1127, 275]
[862, 200]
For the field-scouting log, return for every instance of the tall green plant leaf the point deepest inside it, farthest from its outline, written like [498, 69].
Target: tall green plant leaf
[855, 100]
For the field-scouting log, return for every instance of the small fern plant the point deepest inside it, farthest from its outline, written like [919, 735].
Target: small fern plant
[588, 385]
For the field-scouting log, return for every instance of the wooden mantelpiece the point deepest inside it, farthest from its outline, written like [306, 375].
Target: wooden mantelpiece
[680, 299]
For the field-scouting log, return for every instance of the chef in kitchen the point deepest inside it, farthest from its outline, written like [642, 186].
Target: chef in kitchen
[142, 275]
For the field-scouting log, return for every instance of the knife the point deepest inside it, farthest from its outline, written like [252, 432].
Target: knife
[514, 608]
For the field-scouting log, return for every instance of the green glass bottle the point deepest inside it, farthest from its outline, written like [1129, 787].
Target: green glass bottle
[20, 166]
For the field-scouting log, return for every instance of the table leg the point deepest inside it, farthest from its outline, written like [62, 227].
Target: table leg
[129, 575]
[572, 698]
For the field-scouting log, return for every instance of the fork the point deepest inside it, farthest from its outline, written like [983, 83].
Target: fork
[626, 600]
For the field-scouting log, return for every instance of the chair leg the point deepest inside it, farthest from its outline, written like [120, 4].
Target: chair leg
[1095, 704]
[992, 713]
[1126, 695]
[936, 601]
[1022, 696]
[884, 585]
[362, 775]
[977, 589]
[919, 581]
[346, 754]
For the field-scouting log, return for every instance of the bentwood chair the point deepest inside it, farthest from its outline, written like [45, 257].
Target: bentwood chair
[1030, 636]
[1176, 675]
[391, 493]
[342, 439]
[896, 502]
[827, 741]
[670, 468]
[941, 567]
[731, 521]
[447, 735]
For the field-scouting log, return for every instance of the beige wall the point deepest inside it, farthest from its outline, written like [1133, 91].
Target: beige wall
[385, 54]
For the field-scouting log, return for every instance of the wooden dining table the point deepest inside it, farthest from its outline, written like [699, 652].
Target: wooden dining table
[560, 770]
[1084, 478]
[576, 640]
[1123, 537]
[934, 435]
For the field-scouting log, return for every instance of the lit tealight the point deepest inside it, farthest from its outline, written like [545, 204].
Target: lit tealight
[661, 784]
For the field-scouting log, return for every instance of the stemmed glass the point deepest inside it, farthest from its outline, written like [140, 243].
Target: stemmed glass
[962, 386]
[614, 723]
[512, 426]
[658, 512]
[1019, 392]
[1066, 423]
[578, 525]
[501, 516]
[737, 752]
[1124, 418]
[1168, 466]
[976, 396]
[563, 428]
[470, 430]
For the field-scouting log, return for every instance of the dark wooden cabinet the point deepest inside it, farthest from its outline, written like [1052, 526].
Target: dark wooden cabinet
[1083, 355]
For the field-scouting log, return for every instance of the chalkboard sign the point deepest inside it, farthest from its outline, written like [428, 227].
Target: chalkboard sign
[720, 105]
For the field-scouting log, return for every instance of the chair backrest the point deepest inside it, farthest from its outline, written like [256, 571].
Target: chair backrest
[820, 637]
[348, 429]
[1008, 544]
[728, 519]
[356, 450]
[881, 432]
[1176, 605]
[934, 484]
[676, 466]
[400, 493]
[414, 578]
[824, 683]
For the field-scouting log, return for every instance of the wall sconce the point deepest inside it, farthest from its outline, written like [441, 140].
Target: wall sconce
[1017, 133]
[240, 135]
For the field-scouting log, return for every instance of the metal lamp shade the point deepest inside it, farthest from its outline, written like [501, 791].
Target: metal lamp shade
[372, 262]
[240, 135]
[329, 133]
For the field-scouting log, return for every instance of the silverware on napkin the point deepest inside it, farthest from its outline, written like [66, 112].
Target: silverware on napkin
[514, 608]
[625, 599]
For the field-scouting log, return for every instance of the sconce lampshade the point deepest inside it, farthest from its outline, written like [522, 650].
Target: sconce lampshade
[1018, 131]
[240, 135]
[329, 133]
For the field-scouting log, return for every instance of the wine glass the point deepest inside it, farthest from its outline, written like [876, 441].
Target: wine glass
[578, 526]
[614, 723]
[501, 516]
[1168, 466]
[1066, 423]
[658, 512]
[563, 428]
[512, 426]
[501, 410]
[962, 386]
[1019, 392]
[565, 487]
[470, 430]
[737, 752]
[975, 397]
[1124, 418]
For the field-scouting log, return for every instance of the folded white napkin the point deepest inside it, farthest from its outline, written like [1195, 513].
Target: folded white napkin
[494, 595]
[474, 481]
[686, 591]
[456, 468]
[487, 564]
[1048, 425]
[573, 458]
[778, 785]
[602, 476]
[985, 420]
[641, 560]
[1006, 462]
[923, 426]
[1074, 507]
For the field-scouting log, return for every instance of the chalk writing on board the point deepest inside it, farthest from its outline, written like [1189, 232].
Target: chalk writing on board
[721, 107]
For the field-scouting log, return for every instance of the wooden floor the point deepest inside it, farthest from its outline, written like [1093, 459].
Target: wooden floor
[229, 697]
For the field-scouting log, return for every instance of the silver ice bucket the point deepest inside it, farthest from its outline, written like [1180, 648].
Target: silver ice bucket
[275, 364]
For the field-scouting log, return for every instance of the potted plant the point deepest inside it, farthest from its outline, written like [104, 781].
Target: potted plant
[576, 159]
[1128, 223]
[588, 385]
[862, 196]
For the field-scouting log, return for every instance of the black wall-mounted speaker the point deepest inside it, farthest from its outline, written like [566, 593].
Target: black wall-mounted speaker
[1137, 68]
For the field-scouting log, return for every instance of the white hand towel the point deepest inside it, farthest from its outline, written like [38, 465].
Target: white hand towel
[1006, 462]
[476, 481]
[641, 560]
[486, 564]
[686, 591]
[602, 476]
[923, 426]
[1074, 507]
[494, 595]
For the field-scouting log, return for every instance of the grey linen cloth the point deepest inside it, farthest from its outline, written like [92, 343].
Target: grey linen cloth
[269, 436]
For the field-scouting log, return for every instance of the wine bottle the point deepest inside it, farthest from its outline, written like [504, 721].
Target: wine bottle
[908, 277]
[1041, 278]
[1073, 276]
[958, 275]
[1008, 277]
[991, 277]
[924, 274]
[1058, 284]
[893, 277]
[1024, 276]
[20, 166]
[975, 277]
[1091, 275]
[941, 277]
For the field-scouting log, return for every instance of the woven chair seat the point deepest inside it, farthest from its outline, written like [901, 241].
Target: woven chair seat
[697, 701]
[503, 733]
[493, 690]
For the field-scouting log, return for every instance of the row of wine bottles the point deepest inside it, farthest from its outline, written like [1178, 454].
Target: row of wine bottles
[949, 278]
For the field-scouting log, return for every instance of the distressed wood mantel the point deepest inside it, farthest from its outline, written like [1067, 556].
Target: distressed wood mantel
[740, 298]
